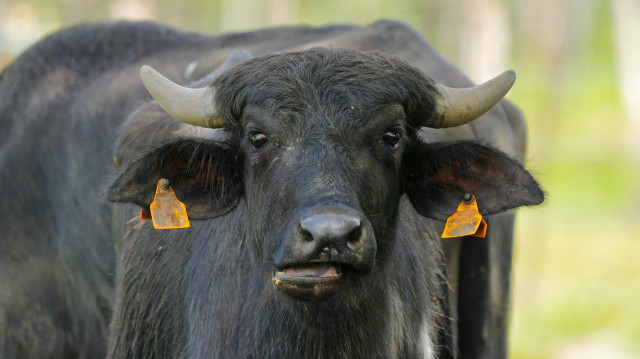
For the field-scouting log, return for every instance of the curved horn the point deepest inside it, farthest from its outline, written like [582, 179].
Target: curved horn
[192, 106]
[459, 106]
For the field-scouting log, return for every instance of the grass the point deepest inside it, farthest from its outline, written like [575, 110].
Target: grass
[576, 260]
[575, 278]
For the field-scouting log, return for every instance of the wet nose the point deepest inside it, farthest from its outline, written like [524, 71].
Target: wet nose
[332, 228]
[334, 233]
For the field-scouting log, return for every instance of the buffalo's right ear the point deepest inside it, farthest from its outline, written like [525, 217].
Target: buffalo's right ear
[206, 176]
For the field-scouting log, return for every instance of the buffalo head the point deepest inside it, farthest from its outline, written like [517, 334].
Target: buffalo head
[320, 145]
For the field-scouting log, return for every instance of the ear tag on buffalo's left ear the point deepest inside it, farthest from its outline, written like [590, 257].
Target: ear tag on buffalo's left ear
[466, 221]
[167, 211]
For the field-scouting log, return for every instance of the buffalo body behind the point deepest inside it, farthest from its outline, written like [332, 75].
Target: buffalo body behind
[68, 110]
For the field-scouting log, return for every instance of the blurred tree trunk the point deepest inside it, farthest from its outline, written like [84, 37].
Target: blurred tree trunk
[282, 12]
[551, 40]
[473, 34]
[484, 38]
[627, 30]
[442, 23]
[133, 9]
[242, 15]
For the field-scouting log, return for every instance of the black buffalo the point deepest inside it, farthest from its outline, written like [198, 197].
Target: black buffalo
[317, 166]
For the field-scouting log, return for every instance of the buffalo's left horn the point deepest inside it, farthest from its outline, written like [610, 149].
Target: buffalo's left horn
[459, 106]
[192, 106]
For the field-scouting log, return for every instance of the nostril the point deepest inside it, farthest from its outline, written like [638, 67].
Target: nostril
[355, 235]
[330, 226]
[306, 236]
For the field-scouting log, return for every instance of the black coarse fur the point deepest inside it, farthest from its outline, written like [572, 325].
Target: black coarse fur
[59, 110]
[397, 310]
[321, 74]
[233, 311]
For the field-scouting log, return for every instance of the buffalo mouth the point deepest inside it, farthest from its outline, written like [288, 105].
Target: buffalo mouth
[314, 282]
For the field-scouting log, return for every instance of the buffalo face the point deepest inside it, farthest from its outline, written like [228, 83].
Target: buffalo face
[321, 144]
[322, 186]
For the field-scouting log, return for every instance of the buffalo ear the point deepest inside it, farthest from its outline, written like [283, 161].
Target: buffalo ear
[437, 176]
[206, 176]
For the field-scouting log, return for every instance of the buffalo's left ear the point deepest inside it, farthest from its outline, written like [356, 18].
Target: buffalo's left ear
[437, 176]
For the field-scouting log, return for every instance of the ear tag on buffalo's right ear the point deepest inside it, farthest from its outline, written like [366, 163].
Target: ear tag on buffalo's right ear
[466, 221]
[167, 211]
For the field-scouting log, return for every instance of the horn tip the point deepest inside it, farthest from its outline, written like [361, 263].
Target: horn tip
[509, 77]
[144, 69]
[147, 72]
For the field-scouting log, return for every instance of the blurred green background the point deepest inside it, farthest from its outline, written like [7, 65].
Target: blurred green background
[577, 272]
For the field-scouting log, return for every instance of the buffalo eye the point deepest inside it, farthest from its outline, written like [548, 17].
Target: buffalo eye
[258, 140]
[392, 138]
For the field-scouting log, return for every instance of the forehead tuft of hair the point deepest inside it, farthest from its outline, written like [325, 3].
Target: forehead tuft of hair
[324, 75]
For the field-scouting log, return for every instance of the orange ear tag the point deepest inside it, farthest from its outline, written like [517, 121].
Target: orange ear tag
[466, 221]
[167, 211]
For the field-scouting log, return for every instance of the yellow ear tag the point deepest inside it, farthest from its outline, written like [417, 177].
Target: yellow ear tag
[466, 221]
[167, 211]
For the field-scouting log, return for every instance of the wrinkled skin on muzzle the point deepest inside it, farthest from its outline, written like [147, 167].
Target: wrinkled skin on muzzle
[321, 246]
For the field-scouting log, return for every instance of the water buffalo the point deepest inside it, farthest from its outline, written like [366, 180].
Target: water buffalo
[317, 167]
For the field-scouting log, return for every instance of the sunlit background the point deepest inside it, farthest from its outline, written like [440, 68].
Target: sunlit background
[577, 259]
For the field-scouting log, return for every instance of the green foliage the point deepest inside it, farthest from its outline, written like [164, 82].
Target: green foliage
[576, 264]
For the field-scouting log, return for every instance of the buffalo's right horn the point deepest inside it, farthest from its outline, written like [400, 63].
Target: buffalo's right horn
[459, 106]
[192, 106]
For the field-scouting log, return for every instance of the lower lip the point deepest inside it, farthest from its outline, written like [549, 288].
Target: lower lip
[284, 276]
[312, 289]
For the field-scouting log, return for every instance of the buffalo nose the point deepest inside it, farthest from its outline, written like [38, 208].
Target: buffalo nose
[331, 227]
[333, 233]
